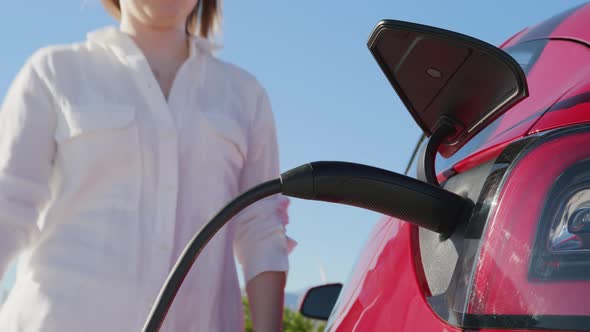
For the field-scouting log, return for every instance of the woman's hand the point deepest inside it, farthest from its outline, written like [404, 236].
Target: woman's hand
[266, 294]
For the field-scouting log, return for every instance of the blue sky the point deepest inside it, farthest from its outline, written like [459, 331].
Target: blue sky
[330, 99]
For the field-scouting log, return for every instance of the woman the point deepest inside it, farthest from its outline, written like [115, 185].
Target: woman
[113, 153]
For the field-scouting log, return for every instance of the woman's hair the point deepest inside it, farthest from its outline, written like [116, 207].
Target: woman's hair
[202, 21]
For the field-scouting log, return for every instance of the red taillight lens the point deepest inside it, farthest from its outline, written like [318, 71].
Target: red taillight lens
[562, 246]
[533, 264]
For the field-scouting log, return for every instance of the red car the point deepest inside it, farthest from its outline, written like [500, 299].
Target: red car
[517, 145]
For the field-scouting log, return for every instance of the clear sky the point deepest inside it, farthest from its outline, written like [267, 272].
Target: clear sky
[330, 99]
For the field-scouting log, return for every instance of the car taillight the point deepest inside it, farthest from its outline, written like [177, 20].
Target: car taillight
[562, 247]
[532, 269]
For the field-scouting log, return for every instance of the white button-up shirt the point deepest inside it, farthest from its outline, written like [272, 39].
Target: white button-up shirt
[103, 181]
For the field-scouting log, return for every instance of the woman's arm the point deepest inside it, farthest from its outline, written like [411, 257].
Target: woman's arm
[261, 243]
[27, 126]
[266, 298]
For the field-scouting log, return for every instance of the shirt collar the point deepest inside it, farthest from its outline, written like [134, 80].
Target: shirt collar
[113, 38]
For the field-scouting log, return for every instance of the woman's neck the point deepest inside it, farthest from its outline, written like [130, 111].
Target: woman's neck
[160, 45]
[165, 49]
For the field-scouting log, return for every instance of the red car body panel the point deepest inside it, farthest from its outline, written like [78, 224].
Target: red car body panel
[571, 24]
[562, 65]
[391, 283]
[543, 92]
[388, 291]
[573, 108]
[539, 112]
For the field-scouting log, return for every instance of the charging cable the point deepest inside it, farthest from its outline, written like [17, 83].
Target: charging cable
[367, 187]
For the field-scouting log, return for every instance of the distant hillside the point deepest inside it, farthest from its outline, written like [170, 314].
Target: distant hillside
[292, 300]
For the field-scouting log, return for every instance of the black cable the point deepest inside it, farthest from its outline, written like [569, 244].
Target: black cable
[415, 153]
[357, 185]
[196, 245]
[378, 190]
[442, 132]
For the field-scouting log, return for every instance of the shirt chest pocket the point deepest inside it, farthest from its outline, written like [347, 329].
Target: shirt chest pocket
[99, 153]
[88, 119]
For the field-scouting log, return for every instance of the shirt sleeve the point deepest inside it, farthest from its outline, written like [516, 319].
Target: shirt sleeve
[261, 243]
[27, 123]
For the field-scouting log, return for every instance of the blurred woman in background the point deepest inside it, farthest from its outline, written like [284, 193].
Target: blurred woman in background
[114, 152]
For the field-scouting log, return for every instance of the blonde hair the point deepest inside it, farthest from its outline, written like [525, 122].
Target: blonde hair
[203, 20]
